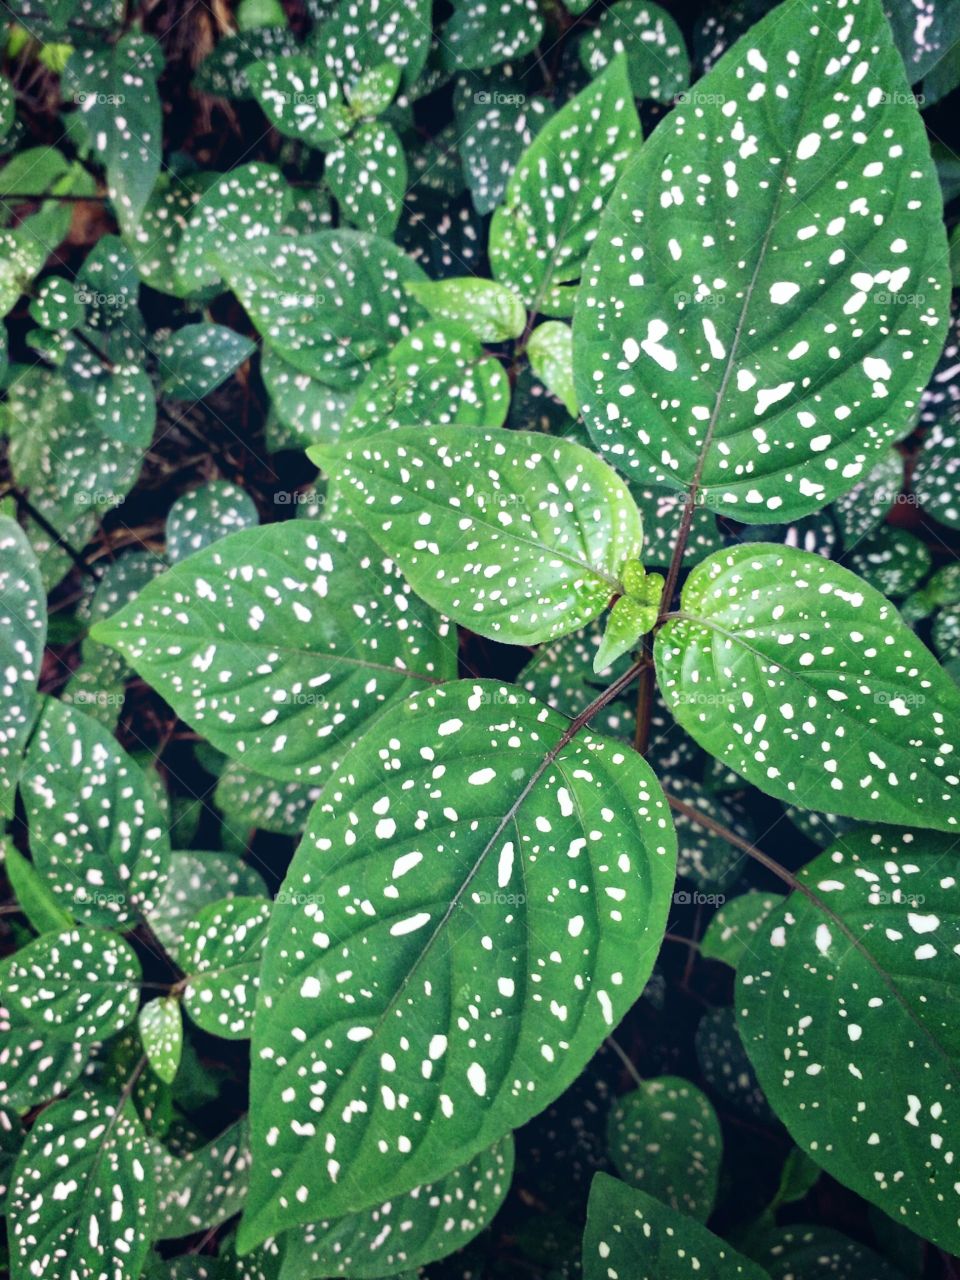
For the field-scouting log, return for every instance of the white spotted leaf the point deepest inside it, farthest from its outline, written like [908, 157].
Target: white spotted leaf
[512, 534]
[281, 644]
[205, 515]
[541, 235]
[96, 833]
[420, 1227]
[550, 352]
[807, 682]
[631, 1234]
[491, 311]
[82, 1196]
[733, 930]
[23, 632]
[846, 1004]
[301, 99]
[161, 1032]
[204, 1187]
[486, 34]
[657, 58]
[194, 360]
[367, 174]
[222, 950]
[195, 879]
[768, 292]
[476, 902]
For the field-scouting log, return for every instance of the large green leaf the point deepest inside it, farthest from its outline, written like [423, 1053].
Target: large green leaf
[96, 832]
[491, 311]
[541, 235]
[631, 1235]
[847, 1005]
[23, 631]
[81, 985]
[807, 682]
[426, 1224]
[434, 981]
[330, 302]
[767, 294]
[281, 644]
[516, 536]
[35, 1066]
[82, 1197]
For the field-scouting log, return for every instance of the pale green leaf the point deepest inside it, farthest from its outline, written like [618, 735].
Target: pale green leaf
[367, 173]
[161, 1032]
[23, 633]
[550, 352]
[490, 310]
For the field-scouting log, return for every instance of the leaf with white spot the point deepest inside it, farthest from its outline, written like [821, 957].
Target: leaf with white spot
[862, 508]
[410, 1231]
[161, 1032]
[491, 311]
[494, 124]
[195, 360]
[550, 352]
[819, 1253]
[35, 1066]
[665, 1138]
[491, 32]
[282, 644]
[301, 99]
[81, 985]
[202, 517]
[768, 292]
[541, 235]
[246, 205]
[657, 58]
[204, 1188]
[704, 859]
[807, 682]
[23, 633]
[194, 880]
[893, 561]
[846, 1006]
[96, 833]
[362, 34]
[307, 407]
[222, 950]
[248, 799]
[330, 303]
[936, 472]
[434, 982]
[630, 1234]
[223, 72]
[726, 1068]
[662, 511]
[439, 374]
[517, 536]
[82, 1197]
[367, 174]
[733, 930]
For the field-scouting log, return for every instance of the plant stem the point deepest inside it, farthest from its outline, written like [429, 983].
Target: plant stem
[718, 829]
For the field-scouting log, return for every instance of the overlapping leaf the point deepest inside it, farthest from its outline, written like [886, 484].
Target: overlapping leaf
[23, 630]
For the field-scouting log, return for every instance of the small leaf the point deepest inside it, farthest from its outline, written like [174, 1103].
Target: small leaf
[360, 36]
[488, 34]
[631, 1234]
[301, 99]
[541, 235]
[518, 537]
[195, 360]
[426, 1224]
[493, 127]
[307, 407]
[893, 561]
[732, 932]
[282, 644]
[657, 59]
[200, 518]
[628, 621]
[367, 175]
[845, 1009]
[81, 1193]
[205, 1187]
[34, 895]
[222, 949]
[23, 633]
[474, 982]
[249, 799]
[665, 1138]
[194, 880]
[491, 311]
[373, 91]
[805, 680]
[550, 351]
[161, 1031]
[96, 834]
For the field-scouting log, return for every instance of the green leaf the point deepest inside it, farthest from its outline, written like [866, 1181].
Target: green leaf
[223, 71]
[367, 174]
[665, 1138]
[35, 1067]
[194, 880]
[361, 35]
[23, 634]
[434, 973]
[494, 125]
[410, 1231]
[205, 1187]
[815, 1252]
[518, 537]
[283, 644]
[34, 895]
[893, 561]
[117, 92]
[304, 405]
[550, 351]
[484, 35]
[767, 294]
[375, 89]
[439, 374]
[845, 1006]
[194, 360]
[82, 1194]
[726, 1068]
[805, 680]
[862, 508]
[55, 305]
[628, 621]
[301, 99]
[935, 473]
[200, 518]
[81, 985]
[631, 1234]
[491, 311]
[222, 949]
[329, 303]
[248, 799]
[161, 1031]
[657, 59]
[540, 237]
[96, 833]
[732, 932]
